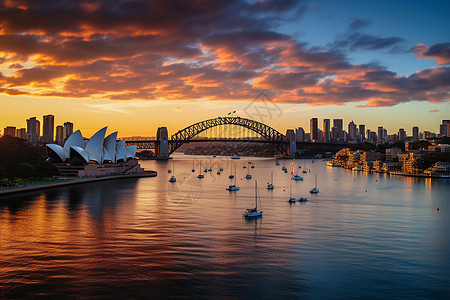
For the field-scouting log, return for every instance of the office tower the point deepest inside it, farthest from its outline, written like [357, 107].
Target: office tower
[334, 134]
[33, 130]
[22, 133]
[444, 128]
[385, 134]
[326, 130]
[415, 133]
[380, 133]
[10, 131]
[313, 129]
[401, 134]
[352, 130]
[300, 134]
[59, 135]
[338, 123]
[68, 130]
[48, 128]
[362, 131]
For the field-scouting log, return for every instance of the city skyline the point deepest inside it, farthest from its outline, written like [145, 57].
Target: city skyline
[173, 64]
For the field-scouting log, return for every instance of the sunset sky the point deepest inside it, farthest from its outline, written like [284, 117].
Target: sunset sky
[136, 65]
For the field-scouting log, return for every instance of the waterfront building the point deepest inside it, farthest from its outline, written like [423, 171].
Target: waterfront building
[59, 135]
[99, 156]
[33, 130]
[401, 134]
[415, 133]
[48, 129]
[439, 169]
[22, 133]
[352, 130]
[9, 131]
[392, 153]
[299, 134]
[313, 129]
[68, 130]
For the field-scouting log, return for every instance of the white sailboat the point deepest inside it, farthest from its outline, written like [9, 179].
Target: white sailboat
[270, 185]
[173, 178]
[295, 177]
[248, 176]
[193, 169]
[314, 190]
[254, 212]
[233, 187]
[200, 175]
[291, 199]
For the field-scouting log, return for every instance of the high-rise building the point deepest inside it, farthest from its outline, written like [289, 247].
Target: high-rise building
[401, 134]
[415, 133]
[10, 131]
[380, 133]
[338, 123]
[300, 134]
[22, 133]
[33, 130]
[48, 128]
[362, 131]
[313, 129]
[59, 135]
[68, 130]
[444, 128]
[326, 131]
[352, 130]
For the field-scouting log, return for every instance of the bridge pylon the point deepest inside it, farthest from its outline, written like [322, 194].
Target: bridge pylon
[292, 146]
[162, 143]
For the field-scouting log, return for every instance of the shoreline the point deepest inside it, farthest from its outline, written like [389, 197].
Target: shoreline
[74, 181]
[396, 173]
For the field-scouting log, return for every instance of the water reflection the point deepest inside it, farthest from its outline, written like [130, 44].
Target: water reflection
[363, 236]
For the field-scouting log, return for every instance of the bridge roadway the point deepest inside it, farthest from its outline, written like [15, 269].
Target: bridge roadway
[151, 144]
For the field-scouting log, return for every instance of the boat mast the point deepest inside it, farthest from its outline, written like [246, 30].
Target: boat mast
[256, 194]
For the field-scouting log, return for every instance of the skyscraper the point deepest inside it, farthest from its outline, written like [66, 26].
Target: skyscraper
[401, 134]
[10, 131]
[362, 131]
[415, 133]
[59, 135]
[326, 130]
[444, 128]
[48, 128]
[352, 130]
[300, 134]
[380, 133]
[338, 133]
[33, 130]
[22, 133]
[68, 130]
[313, 129]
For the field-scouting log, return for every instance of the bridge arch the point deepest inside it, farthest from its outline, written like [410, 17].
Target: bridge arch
[268, 133]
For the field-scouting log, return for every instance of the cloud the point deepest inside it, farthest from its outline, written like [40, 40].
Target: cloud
[440, 52]
[433, 111]
[187, 50]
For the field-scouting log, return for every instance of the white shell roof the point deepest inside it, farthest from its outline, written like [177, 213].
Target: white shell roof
[75, 139]
[121, 152]
[81, 152]
[110, 146]
[95, 146]
[58, 150]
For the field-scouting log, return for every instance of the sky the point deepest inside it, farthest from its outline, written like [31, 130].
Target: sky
[136, 65]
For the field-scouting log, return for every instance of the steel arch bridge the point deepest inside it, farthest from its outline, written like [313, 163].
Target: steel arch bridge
[271, 135]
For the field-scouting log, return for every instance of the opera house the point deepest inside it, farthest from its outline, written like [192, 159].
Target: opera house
[97, 156]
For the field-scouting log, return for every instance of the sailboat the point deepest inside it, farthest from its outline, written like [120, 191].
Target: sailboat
[232, 175]
[291, 199]
[283, 168]
[200, 175]
[233, 187]
[254, 212]
[295, 177]
[193, 169]
[270, 185]
[314, 190]
[277, 163]
[173, 178]
[248, 176]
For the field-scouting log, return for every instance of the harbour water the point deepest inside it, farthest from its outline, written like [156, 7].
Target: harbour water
[363, 236]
